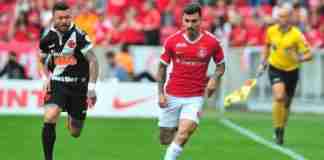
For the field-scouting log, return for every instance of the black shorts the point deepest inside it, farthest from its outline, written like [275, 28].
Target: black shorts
[71, 98]
[289, 78]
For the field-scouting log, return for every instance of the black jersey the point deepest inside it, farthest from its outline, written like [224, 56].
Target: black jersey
[66, 52]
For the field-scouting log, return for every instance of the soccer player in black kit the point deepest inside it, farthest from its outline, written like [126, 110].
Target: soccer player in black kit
[66, 54]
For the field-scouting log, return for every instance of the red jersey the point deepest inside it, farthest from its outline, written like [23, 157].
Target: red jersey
[190, 59]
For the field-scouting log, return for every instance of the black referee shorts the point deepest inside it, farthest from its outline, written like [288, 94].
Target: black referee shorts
[71, 98]
[289, 78]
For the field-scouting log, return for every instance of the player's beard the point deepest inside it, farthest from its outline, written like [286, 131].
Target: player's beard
[192, 33]
[63, 27]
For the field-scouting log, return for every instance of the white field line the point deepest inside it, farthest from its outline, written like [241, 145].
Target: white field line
[261, 140]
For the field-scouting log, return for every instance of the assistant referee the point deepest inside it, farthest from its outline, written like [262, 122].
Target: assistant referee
[286, 48]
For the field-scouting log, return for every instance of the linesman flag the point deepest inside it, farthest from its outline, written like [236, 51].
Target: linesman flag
[240, 95]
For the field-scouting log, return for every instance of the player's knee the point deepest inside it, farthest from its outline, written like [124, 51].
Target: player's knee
[280, 97]
[50, 118]
[51, 115]
[183, 135]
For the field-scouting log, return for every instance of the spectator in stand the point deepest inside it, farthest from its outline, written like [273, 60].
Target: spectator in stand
[46, 13]
[114, 70]
[117, 8]
[220, 9]
[314, 36]
[208, 18]
[108, 31]
[299, 14]
[125, 60]
[255, 32]
[151, 23]
[132, 27]
[238, 33]
[20, 33]
[87, 18]
[13, 70]
[166, 7]
[7, 20]
[33, 26]
[222, 29]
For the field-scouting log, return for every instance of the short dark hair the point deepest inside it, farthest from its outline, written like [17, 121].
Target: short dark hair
[192, 8]
[12, 54]
[124, 47]
[60, 6]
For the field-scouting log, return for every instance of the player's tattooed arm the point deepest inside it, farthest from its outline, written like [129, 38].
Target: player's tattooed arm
[214, 81]
[93, 71]
[219, 71]
[93, 66]
[161, 77]
[161, 80]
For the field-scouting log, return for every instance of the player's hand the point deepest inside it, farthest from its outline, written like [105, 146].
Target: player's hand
[211, 87]
[261, 69]
[47, 86]
[162, 101]
[91, 98]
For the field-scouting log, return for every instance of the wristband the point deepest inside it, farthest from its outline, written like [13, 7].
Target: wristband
[44, 77]
[91, 86]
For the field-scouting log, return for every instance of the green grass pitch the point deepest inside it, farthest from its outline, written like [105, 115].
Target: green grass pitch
[137, 139]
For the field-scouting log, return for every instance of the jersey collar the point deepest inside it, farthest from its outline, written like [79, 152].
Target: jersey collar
[194, 41]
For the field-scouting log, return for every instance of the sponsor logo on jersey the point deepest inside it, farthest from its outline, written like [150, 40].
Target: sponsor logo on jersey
[65, 60]
[202, 53]
[179, 45]
[71, 44]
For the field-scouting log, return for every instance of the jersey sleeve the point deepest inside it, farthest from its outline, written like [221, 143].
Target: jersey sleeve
[166, 53]
[44, 49]
[45, 54]
[302, 44]
[84, 43]
[267, 36]
[218, 55]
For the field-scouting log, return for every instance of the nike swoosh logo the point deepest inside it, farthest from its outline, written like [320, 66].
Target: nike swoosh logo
[118, 104]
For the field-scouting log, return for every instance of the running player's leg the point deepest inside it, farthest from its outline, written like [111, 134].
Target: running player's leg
[169, 119]
[291, 85]
[189, 120]
[279, 109]
[53, 102]
[52, 113]
[167, 134]
[77, 111]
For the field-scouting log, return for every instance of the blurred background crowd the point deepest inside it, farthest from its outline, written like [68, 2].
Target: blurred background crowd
[238, 23]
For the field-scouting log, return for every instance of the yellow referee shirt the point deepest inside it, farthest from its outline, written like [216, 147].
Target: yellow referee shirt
[285, 47]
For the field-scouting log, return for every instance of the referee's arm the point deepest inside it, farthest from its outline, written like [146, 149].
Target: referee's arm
[266, 51]
[304, 48]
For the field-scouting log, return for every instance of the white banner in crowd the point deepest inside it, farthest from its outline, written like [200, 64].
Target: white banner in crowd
[114, 99]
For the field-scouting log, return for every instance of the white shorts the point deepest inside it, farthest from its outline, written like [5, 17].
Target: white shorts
[180, 108]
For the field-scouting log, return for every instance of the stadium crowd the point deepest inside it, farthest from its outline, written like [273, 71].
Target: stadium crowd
[238, 23]
[148, 22]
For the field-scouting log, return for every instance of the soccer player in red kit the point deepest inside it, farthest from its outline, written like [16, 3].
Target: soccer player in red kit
[181, 96]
